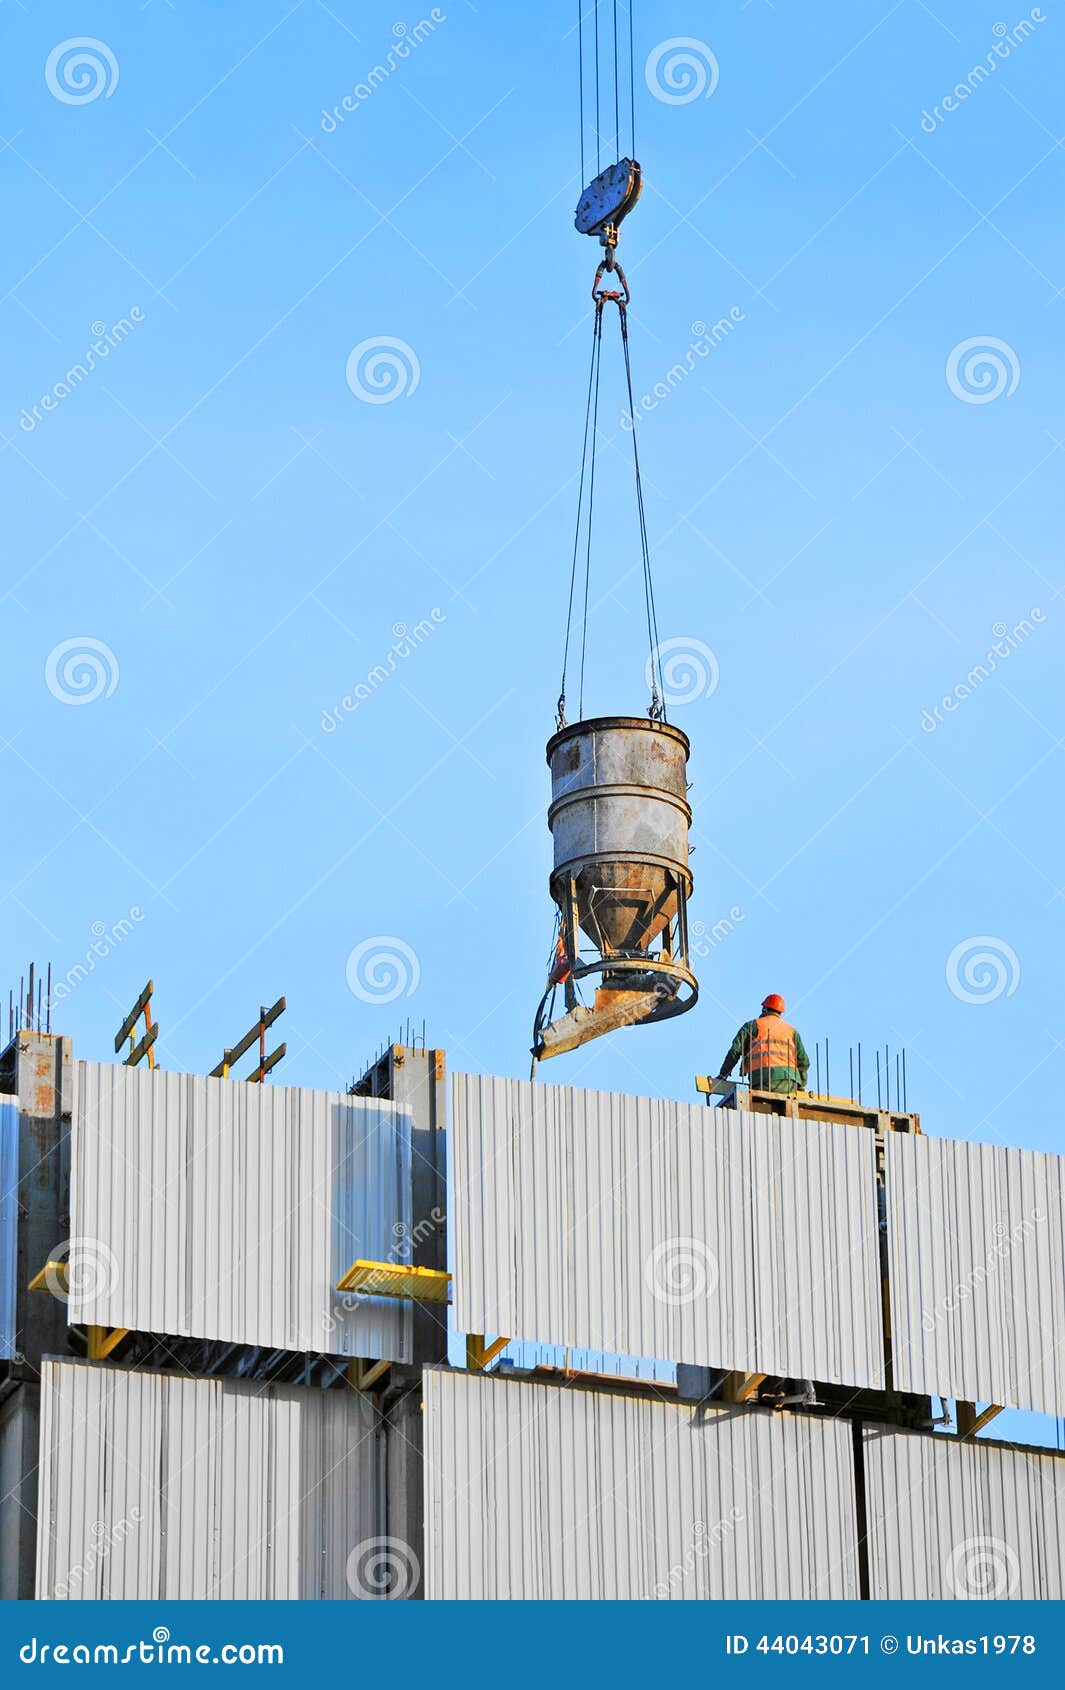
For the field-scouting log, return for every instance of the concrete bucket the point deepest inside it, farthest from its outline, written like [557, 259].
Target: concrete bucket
[619, 819]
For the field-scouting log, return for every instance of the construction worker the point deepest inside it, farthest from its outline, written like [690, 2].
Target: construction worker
[771, 1054]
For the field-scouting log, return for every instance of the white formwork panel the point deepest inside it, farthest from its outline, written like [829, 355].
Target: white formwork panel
[976, 1262]
[216, 1209]
[152, 1485]
[648, 1228]
[536, 1491]
[964, 1520]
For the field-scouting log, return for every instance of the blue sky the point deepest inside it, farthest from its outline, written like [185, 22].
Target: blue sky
[847, 504]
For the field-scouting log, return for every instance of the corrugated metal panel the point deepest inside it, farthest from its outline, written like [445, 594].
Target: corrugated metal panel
[9, 1119]
[158, 1486]
[215, 1209]
[546, 1492]
[962, 1520]
[658, 1229]
[976, 1245]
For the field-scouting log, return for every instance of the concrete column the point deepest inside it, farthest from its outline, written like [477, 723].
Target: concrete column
[44, 1079]
[404, 1514]
[418, 1083]
[39, 1069]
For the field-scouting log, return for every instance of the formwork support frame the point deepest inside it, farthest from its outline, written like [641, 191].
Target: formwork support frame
[741, 1386]
[479, 1354]
[969, 1422]
[362, 1373]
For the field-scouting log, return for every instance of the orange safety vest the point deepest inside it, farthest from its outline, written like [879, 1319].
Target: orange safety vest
[773, 1046]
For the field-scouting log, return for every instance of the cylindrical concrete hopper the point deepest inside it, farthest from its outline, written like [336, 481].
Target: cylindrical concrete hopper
[619, 819]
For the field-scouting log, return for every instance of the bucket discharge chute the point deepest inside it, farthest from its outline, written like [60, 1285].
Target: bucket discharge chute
[619, 819]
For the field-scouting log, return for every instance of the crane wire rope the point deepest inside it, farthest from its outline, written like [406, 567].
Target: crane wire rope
[580, 77]
[593, 396]
[632, 85]
[598, 131]
[585, 507]
[617, 119]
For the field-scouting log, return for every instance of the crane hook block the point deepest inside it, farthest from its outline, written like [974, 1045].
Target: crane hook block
[609, 198]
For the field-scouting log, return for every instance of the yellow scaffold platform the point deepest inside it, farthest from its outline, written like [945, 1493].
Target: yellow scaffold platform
[385, 1279]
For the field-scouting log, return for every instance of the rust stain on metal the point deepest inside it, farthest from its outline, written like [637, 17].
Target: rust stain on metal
[41, 1097]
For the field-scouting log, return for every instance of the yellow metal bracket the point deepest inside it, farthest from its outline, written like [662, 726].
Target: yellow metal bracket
[386, 1279]
[54, 1276]
[362, 1374]
[741, 1387]
[101, 1342]
[969, 1422]
[478, 1354]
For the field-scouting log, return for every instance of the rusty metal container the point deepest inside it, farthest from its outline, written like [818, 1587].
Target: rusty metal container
[619, 818]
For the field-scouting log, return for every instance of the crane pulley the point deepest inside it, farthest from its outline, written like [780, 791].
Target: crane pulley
[603, 204]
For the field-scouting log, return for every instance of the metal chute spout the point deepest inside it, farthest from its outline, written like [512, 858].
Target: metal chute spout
[612, 1010]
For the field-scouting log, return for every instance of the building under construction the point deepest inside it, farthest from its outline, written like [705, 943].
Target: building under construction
[448, 1335]
[260, 1341]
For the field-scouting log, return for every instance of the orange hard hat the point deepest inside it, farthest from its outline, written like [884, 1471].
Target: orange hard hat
[774, 1001]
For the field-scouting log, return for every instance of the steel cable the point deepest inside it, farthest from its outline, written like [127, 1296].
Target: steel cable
[593, 389]
[658, 707]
